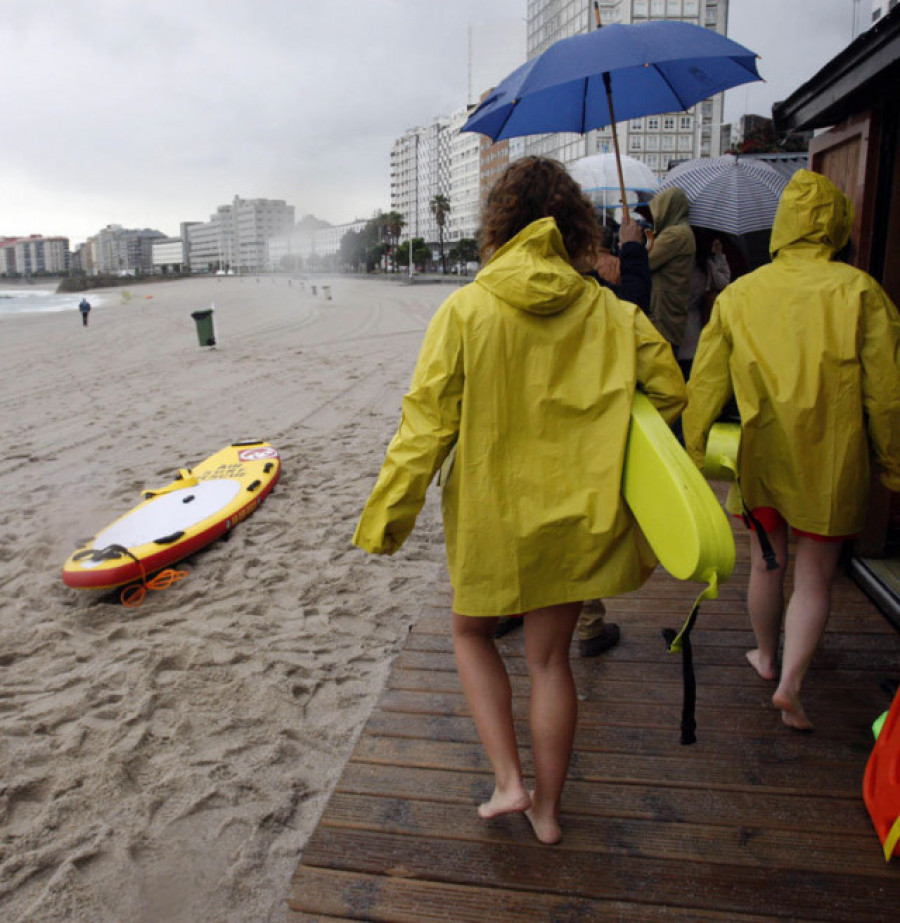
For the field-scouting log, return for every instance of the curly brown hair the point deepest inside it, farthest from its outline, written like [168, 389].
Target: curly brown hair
[538, 187]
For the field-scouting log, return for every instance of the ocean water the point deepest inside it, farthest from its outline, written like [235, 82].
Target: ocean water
[26, 299]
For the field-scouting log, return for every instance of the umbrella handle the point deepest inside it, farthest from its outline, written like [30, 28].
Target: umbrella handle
[626, 217]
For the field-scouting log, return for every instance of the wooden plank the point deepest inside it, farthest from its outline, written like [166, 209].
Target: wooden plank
[690, 767]
[527, 866]
[612, 835]
[400, 900]
[618, 665]
[594, 683]
[756, 718]
[593, 735]
[803, 812]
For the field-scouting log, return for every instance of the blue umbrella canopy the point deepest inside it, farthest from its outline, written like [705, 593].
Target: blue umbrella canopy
[618, 72]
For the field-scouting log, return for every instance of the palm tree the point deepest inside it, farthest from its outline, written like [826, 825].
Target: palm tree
[440, 208]
[393, 224]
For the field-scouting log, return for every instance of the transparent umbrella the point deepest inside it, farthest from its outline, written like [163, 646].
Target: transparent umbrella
[599, 179]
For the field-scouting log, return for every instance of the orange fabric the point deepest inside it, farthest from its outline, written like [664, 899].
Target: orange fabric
[770, 519]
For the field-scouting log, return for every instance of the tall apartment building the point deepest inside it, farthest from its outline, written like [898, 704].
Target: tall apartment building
[420, 161]
[426, 162]
[125, 250]
[464, 179]
[656, 140]
[27, 256]
[236, 235]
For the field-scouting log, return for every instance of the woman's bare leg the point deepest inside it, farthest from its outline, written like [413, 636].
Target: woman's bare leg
[486, 685]
[765, 602]
[553, 712]
[807, 612]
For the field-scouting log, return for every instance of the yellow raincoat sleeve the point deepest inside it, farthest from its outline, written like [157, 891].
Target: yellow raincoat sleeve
[880, 361]
[429, 424]
[709, 387]
[658, 374]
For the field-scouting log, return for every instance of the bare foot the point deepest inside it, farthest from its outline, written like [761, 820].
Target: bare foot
[513, 802]
[547, 830]
[765, 669]
[792, 713]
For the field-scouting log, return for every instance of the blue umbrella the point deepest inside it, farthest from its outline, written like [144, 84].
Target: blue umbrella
[618, 72]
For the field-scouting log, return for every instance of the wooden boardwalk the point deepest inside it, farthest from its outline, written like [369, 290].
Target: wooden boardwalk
[753, 822]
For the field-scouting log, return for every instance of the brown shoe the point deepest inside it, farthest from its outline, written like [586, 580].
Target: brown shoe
[608, 637]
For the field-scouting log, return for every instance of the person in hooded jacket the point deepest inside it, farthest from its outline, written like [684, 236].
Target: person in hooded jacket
[529, 374]
[671, 264]
[810, 348]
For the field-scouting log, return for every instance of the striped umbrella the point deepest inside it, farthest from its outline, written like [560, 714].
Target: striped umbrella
[731, 194]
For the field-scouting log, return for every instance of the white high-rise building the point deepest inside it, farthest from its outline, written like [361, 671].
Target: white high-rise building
[420, 162]
[657, 140]
[465, 182]
[439, 160]
[236, 235]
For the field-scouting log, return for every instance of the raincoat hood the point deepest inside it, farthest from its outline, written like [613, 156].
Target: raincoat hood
[533, 272]
[812, 212]
[669, 207]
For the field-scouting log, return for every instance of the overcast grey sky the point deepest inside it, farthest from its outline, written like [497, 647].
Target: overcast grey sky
[146, 114]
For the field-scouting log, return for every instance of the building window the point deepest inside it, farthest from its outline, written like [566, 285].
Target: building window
[685, 123]
[640, 8]
[658, 7]
[668, 142]
[691, 7]
[637, 124]
[711, 15]
[669, 123]
[652, 142]
[685, 142]
[653, 123]
[673, 8]
[635, 143]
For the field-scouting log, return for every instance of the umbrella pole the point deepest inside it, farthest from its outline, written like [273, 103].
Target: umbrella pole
[626, 217]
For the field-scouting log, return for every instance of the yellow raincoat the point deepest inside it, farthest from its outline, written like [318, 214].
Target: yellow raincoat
[529, 371]
[810, 349]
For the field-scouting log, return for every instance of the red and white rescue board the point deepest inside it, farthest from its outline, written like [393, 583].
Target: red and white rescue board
[198, 507]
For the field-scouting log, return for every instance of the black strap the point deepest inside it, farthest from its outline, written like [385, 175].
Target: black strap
[765, 546]
[688, 678]
[103, 554]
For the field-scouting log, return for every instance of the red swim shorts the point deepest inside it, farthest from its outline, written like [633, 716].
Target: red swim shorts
[770, 519]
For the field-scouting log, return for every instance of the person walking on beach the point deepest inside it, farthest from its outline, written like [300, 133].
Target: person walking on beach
[528, 373]
[85, 308]
[809, 347]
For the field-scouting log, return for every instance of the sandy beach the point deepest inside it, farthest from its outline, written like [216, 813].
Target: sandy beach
[168, 763]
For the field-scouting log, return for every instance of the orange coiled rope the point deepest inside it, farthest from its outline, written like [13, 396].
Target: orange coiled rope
[132, 596]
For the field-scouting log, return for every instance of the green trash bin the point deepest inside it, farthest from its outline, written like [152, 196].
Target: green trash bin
[206, 334]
